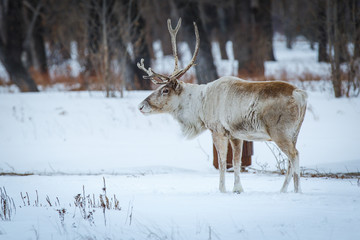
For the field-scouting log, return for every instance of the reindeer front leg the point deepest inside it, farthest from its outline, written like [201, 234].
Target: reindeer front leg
[237, 145]
[221, 145]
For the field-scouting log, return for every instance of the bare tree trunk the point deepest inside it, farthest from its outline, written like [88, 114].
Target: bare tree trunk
[337, 47]
[142, 51]
[342, 28]
[105, 71]
[11, 44]
[290, 21]
[321, 27]
[241, 42]
[36, 43]
[129, 73]
[34, 40]
[205, 68]
[127, 65]
[356, 18]
[39, 49]
[222, 32]
[266, 26]
[259, 48]
[251, 49]
[140, 46]
[158, 8]
[93, 43]
[132, 32]
[251, 36]
[212, 18]
[334, 42]
[353, 86]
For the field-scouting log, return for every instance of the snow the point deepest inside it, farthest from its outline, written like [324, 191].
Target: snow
[68, 132]
[59, 131]
[166, 184]
[296, 62]
[187, 206]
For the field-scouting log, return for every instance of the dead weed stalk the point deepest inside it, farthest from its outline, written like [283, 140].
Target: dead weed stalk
[7, 207]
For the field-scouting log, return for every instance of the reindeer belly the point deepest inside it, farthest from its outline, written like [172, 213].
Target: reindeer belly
[251, 136]
[242, 131]
[249, 130]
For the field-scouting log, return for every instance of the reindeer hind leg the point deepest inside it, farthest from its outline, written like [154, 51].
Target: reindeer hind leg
[288, 147]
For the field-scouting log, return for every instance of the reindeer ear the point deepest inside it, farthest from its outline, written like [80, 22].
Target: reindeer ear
[176, 85]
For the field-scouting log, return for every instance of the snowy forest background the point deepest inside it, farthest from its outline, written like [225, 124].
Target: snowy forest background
[95, 44]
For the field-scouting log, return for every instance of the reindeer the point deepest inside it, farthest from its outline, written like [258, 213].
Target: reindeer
[233, 110]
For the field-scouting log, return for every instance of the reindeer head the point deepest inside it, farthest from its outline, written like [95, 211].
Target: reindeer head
[166, 98]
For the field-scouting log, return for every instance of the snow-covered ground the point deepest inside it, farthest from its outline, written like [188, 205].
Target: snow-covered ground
[81, 133]
[185, 205]
[166, 184]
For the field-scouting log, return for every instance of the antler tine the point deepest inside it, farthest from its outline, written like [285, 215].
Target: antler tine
[192, 62]
[173, 33]
[151, 74]
[141, 66]
[177, 73]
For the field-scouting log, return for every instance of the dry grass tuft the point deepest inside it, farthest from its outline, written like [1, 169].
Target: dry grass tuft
[7, 206]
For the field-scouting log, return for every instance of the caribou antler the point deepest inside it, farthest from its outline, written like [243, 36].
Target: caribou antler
[173, 33]
[152, 75]
[180, 73]
[176, 73]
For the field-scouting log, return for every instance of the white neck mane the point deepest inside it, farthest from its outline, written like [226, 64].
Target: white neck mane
[189, 112]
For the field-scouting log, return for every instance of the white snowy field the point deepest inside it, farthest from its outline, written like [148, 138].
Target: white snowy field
[81, 133]
[185, 205]
[166, 185]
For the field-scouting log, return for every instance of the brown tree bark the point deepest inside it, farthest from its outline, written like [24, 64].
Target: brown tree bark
[290, 21]
[266, 26]
[205, 68]
[222, 31]
[140, 46]
[241, 36]
[356, 18]
[251, 38]
[12, 43]
[321, 28]
[334, 37]
[34, 40]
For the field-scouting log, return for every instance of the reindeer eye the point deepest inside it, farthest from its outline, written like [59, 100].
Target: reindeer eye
[165, 91]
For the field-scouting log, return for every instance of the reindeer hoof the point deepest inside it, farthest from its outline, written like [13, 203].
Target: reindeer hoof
[238, 190]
